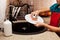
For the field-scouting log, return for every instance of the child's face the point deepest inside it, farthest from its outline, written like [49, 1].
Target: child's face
[58, 1]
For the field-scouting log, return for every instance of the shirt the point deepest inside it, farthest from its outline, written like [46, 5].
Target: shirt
[55, 8]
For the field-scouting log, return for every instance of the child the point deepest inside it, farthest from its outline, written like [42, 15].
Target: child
[55, 10]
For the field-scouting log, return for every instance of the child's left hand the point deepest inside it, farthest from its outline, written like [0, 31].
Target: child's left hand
[38, 24]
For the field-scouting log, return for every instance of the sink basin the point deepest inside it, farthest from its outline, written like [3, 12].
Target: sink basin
[26, 28]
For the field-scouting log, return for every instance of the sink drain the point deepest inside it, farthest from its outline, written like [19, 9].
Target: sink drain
[26, 28]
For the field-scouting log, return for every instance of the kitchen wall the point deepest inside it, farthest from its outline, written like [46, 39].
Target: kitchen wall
[47, 3]
[24, 1]
[38, 4]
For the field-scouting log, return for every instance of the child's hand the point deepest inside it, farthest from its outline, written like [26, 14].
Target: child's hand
[36, 13]
[34, 16]
[38, 24]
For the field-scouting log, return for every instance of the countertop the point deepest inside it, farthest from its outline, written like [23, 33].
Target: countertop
[47, 35]
[42, 36]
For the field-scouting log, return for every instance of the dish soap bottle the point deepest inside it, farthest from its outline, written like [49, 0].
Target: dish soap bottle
[7, 28]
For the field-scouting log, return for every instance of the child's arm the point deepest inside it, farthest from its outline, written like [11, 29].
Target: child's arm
[37, 12]
[52, 28]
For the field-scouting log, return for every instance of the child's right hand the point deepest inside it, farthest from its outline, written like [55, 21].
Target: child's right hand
[34, 15]
[39, 24]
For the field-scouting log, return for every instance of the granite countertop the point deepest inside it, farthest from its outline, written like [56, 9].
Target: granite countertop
[48, 35]
[42, 36]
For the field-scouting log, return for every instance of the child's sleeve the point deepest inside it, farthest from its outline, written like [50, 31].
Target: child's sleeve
[54, 7]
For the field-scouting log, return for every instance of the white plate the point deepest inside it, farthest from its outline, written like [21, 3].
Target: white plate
[29, 19]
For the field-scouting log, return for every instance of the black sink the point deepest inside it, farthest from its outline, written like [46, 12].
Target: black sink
[26, 28]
